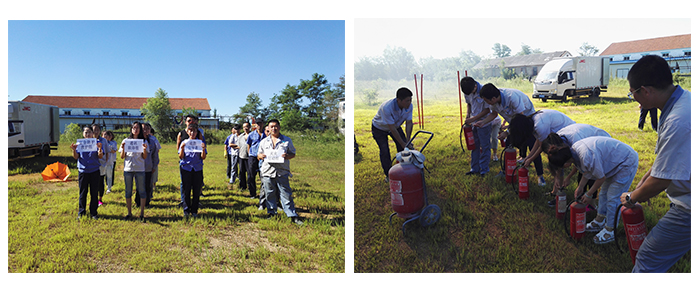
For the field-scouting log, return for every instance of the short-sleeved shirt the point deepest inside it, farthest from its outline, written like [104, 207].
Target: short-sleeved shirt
[673, 147]
[276, 169]
[192, 161]
[603, 157]
[105, 156]
[112, 147]
[549, 121]
[390, 114]
[133, 161]
[152, 150]
[513, 102]
[89, 162]
[155, 156]
[477, 105]
[243, 151]
[573, 133]
[254, 139]
[233, 138]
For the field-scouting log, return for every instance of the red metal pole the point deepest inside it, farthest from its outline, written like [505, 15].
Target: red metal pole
[415, 79]
[459, 91]
[422, 113]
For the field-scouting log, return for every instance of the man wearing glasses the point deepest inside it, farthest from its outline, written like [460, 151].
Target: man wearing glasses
[651, 85]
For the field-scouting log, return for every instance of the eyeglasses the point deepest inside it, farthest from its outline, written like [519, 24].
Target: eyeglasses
[631, 94]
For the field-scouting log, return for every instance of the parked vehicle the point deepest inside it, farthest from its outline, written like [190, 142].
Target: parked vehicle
[571, 77]
[33, 129]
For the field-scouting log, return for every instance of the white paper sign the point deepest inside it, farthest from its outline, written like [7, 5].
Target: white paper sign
[274, 155]
[133, 145]
[193, 145]
[86, 145]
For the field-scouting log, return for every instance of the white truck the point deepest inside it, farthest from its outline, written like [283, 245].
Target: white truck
[33, 129]
[571, 77]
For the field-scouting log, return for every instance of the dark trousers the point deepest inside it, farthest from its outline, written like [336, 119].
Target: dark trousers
[242, 173]
[253, 170]
[92, 181]
[228, 165]
[101, 187]
[538, 160]
[643, 117]
[382, 139]
[192, 182]
[149, 190]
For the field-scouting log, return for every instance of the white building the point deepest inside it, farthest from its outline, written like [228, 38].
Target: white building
[115, 113]
[675, 49]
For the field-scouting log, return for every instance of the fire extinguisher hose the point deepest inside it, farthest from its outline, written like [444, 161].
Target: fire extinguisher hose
[617, 216]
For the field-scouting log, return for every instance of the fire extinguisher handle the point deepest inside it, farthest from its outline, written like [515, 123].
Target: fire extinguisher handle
[426, 142]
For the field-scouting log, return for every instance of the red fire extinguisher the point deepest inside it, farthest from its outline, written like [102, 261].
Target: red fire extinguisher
[523, 184]
[561, 204]
[469, 137]
[510, 163]
[577, 220]
[635, 228]
[406, 187]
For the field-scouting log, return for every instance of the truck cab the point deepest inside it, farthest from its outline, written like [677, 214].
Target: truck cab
[572, 77]
[553, 81]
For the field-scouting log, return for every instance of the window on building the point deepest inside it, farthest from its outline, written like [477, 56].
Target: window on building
[66, 112]
[105, 113]
[687, 54]
[625, 58]
[125, 113]
[665, 54]
[87, 113]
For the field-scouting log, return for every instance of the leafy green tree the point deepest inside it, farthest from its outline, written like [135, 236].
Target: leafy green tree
[314, 91]
[399, 63]
[330, 101]
[71, 133]
[158, 113]
[587, 50]
[527, 50]
[500, 51]
[252, 108]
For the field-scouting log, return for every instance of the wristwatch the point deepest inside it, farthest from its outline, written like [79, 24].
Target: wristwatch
[628, 199]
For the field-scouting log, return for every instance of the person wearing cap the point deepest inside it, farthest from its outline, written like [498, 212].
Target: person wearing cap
[651, 85]
[387, 123]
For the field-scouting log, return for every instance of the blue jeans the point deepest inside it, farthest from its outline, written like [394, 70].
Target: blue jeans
[278, 188]
[666, 243]
[234, 168]
[612, 189]
[482, 153]
[129, 178]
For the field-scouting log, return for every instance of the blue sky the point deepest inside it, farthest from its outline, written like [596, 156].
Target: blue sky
[222, 61]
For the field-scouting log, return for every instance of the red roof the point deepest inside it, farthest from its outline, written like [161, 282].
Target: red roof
[647, 45]
[114, 102]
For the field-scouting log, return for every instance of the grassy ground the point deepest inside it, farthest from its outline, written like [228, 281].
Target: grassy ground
[484, 226]
[230, 235]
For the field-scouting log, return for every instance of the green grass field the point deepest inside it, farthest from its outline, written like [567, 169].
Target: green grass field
[484, 226]
[231, 234]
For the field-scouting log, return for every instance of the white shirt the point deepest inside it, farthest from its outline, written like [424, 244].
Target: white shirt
[549, 121]
[513, 102]
[389, 113]
[274, 170]
[673, 148]
[603, 157]
[573, 133]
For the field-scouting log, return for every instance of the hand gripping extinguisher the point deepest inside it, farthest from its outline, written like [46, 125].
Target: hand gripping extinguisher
[635, 228]
[523, 183]
[510, 162]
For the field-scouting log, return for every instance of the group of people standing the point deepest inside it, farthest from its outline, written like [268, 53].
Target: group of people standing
[246, 153]
[604, 164]
[141, 159]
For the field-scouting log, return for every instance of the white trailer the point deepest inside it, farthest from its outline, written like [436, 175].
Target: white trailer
[33, 129]
[572, 77]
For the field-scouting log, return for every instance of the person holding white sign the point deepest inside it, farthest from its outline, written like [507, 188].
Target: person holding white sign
[192, 153]
[134, 150]
[88, 171]
[275, 151]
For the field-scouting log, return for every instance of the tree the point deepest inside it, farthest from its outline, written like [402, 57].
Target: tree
[314, 91]
[587, 50]
[252, 107]
[399, 63]
[157, 112]
[527, 50]
[330, 101]
[500, 51]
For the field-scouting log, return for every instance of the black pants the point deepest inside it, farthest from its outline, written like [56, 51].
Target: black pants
[228, 165]
[92, 181]
[192, 182]
[253, 170]
[242, 173]
[643, 117]
[538, 160]
[382, 139]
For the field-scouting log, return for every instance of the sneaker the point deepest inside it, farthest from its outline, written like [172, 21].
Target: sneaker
[495, 159]
[471, 173]
[108, 191]
[195, 215]
[296, 220]
[142, 219]
[541, 182]
[94, 217]
[386, 179]
[99, 203]
[128, 217]
[552, 203]
[260, 208]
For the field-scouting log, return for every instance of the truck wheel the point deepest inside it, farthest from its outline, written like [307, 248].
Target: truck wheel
[595, 92]
[563, 97]
[544, 99]
[45, 151]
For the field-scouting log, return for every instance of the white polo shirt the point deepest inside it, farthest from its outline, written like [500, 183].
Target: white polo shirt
[389, 113]
[549, 121]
